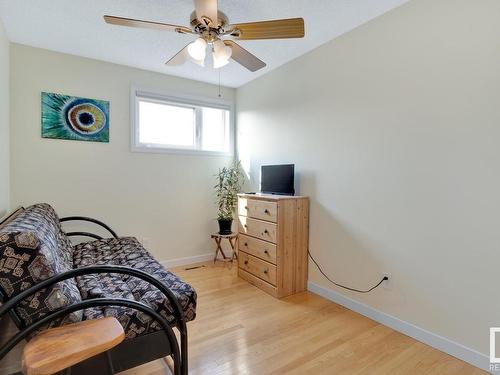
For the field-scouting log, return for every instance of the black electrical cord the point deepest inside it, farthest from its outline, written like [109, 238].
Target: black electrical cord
[343, 286]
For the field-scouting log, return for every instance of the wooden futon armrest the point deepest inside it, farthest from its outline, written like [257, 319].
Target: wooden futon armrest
[56, 349]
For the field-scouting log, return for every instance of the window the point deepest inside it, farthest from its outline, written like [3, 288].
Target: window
[162, 123]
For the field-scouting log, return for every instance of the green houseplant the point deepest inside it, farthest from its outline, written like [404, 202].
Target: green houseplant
[229, 182]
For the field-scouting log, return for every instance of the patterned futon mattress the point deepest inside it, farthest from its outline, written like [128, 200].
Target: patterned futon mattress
[127, 251]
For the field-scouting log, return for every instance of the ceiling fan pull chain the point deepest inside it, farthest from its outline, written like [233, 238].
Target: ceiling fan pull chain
[220, 94]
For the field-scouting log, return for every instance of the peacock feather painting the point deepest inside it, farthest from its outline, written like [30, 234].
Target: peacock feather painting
[78, 119]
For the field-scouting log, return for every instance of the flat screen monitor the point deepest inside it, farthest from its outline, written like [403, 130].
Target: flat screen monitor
[277, 179]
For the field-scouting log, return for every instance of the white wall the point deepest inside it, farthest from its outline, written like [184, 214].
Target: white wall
[394, 129]
[4, 122]
[166, 199]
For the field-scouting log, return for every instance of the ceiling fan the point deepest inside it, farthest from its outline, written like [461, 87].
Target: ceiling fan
[214, 30]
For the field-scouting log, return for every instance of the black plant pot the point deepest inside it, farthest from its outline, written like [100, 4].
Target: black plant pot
[225, 226]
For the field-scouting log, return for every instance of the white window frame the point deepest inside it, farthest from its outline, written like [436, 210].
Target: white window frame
[185, 100]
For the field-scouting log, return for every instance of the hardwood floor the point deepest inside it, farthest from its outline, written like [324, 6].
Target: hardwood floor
[239, 329]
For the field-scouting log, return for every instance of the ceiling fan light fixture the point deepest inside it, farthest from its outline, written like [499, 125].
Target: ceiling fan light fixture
[210, 24]
[198, 50]
[221, 54]
[199, 62]
[220, 63]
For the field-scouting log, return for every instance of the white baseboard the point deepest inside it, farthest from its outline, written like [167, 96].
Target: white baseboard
[457, 350]
[187, 260]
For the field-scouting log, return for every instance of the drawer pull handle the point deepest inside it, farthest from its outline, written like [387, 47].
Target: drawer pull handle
[246, 261]
[266, 211]
[266, 252]
[266, 231]
[246, 244]
[246, 226]
[266, 271]
[246, 207]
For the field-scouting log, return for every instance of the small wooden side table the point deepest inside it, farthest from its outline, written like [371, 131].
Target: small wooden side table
[232, 238]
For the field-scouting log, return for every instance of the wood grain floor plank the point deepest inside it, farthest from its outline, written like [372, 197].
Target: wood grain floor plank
[241, 330]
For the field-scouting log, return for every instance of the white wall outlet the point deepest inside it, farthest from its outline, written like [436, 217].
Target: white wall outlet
[387, 284]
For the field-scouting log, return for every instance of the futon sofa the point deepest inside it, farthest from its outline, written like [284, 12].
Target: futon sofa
[45, 281]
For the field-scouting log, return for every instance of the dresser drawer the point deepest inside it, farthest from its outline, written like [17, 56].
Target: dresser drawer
[258, 248]
[257, 228]
[259, 283]
[263, 210]
[257, 267]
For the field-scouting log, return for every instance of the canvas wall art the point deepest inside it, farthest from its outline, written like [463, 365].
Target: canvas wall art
[74, 118]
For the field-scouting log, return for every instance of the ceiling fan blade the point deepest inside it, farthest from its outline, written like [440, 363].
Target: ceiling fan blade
[179, 58]
[130, 22]
[277, 29]
[245, 58]
[207, 9]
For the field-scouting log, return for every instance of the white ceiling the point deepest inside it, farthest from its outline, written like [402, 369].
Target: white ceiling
[76, 27]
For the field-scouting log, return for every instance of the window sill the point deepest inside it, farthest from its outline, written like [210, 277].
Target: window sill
[179, 151]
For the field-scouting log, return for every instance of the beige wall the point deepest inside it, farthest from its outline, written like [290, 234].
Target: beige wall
[4, 122]
[394, 129]
[166, 199]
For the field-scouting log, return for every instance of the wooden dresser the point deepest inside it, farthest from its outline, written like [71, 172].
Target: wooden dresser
[273, 241]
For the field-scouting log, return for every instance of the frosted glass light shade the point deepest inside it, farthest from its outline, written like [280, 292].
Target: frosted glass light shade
[221, 54]
[198, 50]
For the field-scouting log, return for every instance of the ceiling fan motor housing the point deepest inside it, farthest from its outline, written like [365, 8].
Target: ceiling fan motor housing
[207, 23]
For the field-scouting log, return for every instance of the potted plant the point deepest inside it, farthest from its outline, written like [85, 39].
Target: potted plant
[229, 182]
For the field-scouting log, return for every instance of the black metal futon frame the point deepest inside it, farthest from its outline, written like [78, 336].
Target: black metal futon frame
[131, 352]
